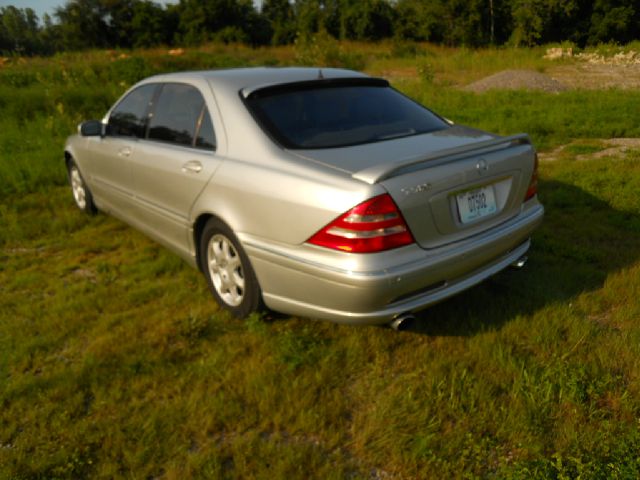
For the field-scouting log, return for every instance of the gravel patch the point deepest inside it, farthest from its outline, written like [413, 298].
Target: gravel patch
[516, 80]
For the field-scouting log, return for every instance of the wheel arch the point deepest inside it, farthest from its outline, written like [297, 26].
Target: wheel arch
[198, 227]
[68, 158]
[250, 290]
[203, 210]
[70, 161]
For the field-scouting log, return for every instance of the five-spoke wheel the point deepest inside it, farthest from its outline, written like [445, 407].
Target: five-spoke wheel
[81, 193]
[225, 269]
[229, 273]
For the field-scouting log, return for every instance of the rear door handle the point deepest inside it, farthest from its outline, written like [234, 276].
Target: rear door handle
[124, 151]
[193, 166]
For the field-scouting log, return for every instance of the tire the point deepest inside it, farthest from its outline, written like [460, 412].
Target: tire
[228, 271]
[81, 193]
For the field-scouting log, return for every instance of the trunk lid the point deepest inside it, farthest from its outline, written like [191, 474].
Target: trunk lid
[449, 184]
[360, 157]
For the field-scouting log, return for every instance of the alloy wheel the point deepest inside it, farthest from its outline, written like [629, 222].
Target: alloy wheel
[225, 269]
[78, 189]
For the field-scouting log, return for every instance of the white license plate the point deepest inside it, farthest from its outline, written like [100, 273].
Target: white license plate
[477, 203]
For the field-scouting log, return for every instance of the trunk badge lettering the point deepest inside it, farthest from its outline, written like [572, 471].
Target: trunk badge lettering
[482, 166]
[423, 187]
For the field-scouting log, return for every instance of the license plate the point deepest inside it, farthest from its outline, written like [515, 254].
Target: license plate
[477, 203]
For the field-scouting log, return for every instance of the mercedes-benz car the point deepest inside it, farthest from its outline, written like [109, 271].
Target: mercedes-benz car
[316, 192]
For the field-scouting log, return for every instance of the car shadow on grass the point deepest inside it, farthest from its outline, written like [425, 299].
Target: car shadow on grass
[581, 241]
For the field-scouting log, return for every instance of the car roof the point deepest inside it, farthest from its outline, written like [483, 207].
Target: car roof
[250, 79]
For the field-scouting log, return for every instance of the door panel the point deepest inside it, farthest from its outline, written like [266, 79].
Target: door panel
[167, 181]
[111, 155]
[111, 170]
[171, 168]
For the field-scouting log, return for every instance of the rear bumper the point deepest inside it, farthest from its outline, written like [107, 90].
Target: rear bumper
[380, 287]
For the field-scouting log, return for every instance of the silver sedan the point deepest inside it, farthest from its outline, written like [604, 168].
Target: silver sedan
[315, 192]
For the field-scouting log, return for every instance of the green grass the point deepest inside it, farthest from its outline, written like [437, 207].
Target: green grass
[455, 66]
[115, 362]
[584, 148]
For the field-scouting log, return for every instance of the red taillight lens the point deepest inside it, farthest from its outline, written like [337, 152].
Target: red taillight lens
[373, 226]
[532, 189]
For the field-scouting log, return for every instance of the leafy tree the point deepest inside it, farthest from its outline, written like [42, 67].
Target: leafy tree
[614, 20]
[280, 19]
[118, 20]
[201, 19]
[566, 20]
[540, 21]
[111, 23]
[453, 22]
[499, 16]
[308, 17]
[144, 23]
[416, 20]
[19, 31]
[152, 25]
[84, 24]
[50, 35]
[315, 16]
[257, 28]
[464, 22]
[528, 20]
[366, 19]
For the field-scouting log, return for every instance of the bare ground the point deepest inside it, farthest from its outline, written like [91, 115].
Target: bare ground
[578, 75]
[613, 147]
[516, 80]
[591, 76]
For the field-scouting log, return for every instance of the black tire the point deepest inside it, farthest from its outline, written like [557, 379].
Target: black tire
[228, 271]
[81, 193]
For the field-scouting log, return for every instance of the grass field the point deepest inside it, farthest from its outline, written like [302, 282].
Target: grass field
[115, 362]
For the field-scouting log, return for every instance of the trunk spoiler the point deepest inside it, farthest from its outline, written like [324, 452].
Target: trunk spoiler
[377, 173]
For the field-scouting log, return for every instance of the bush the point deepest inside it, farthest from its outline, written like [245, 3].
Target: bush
[231, 35]
[322, 50]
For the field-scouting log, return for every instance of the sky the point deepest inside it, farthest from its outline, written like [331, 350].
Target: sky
[47, 6]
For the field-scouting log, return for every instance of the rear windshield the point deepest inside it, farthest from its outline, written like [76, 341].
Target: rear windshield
[336, 115]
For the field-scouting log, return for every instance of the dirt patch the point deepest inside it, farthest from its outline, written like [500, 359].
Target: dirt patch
[597, 76]
[595, 71]
[517, 80]
[613, 147]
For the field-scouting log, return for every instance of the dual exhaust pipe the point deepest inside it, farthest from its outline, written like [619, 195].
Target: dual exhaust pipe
[521, 262]
[404, 321]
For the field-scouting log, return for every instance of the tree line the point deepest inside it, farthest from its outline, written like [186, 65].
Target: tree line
[82, 24]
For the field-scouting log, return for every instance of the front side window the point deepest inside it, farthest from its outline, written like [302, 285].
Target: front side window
[181, 117]
[339, 113]
[128, 118]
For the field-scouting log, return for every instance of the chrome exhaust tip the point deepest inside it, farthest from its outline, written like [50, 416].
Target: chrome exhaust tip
[521, 262]
[402, 322]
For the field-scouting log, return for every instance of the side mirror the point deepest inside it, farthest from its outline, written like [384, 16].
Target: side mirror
[91, 128]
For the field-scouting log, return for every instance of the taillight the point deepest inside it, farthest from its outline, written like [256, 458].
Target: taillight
[532, 189]
[372, 226]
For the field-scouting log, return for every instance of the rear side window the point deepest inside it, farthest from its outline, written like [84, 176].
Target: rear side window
[206, 138]
[128, 118]
[338, 115]
[181, 117]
